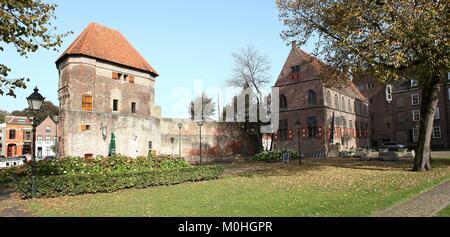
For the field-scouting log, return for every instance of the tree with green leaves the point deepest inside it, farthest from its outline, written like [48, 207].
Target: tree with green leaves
[26, 25]
[47, 109]
[387, 40]
[3, 114]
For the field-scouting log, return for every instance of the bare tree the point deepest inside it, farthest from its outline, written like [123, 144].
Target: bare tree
[202, 107]
[251, 74]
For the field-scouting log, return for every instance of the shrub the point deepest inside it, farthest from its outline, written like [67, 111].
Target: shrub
[77, 184]
[275, 155]
[98, 165]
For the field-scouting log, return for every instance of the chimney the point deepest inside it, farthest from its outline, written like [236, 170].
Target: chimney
[294, 44]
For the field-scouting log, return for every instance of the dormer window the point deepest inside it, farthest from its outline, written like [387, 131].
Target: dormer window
[413, 83]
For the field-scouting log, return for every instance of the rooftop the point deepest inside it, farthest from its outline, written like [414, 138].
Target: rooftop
[107, 44]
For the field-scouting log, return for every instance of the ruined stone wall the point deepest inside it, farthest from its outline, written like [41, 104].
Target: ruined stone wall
[218, 139]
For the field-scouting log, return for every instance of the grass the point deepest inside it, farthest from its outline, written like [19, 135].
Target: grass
[337, 187]
[445, 212]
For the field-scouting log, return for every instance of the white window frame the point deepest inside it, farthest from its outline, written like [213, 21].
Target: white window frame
[389, 93]
[437, 114]
[413, 83]
[415, 99]
[414, 112]
[415, 133]
[437, 132]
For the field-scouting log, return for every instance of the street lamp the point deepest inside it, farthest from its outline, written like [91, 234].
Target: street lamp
[298, 125]
[35, 101]
[56, 119]
[172, 140]
[180, 125]
[200, 124]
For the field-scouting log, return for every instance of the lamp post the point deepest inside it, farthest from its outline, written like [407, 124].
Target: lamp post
[180, 125]
[35, 101]
[172, 140]
[298, 125]
[56, 119]
[200, 124]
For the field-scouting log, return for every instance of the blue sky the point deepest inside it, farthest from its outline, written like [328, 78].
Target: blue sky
[188, 42]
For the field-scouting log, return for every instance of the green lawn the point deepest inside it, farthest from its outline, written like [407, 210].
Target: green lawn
[445, 212]
[339, 187]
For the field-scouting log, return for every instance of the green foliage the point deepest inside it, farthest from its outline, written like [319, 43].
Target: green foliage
[78, 184]
[26, 25]
[99, 165]
[3, 114]
[47, 109]
[275, 155]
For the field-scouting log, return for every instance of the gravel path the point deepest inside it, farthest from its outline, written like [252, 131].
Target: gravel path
[426, 204]
[10, 204]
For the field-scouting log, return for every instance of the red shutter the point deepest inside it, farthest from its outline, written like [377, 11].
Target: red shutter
[115, 75]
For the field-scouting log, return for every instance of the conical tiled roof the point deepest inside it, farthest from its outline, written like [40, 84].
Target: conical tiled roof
[107, 44]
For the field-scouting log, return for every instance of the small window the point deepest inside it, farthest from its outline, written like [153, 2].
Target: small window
[416, 115]
[336, 101]
[150, 145]
[12, 134]
[312, 97]
[86, 103]
[131, 79]
[115, 76]
[125, 77]
[48, 139]
[283, 102]
[85, 127]
[39, 138]
[115, 105]
[437, 114]
[389, 93]
[437, 133]
[415, 99]
[133, 107]
[329, 99]
[284, 130]
[48, 129]
[295, 69]
[413, 83]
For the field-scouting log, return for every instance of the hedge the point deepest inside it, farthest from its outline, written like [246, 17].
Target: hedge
[275, 155]
[78, 184]
[78, 165]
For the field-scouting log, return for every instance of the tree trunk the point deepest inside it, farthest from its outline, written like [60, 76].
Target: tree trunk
[430, 99]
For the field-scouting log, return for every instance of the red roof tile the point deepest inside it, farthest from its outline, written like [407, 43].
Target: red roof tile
[100, 42]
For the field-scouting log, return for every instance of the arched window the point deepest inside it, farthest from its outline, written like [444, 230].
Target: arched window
[349, 106]
[336, 101]
[343, 103]
[283, 102]
[312, 97]
[329, 99]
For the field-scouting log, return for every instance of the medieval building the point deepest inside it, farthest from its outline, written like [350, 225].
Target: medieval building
[307, 100]
[106, 88]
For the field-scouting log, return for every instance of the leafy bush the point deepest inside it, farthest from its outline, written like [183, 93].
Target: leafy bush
[98, 165]
[275, 155]
[77, 184]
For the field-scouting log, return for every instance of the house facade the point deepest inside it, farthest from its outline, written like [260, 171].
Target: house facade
[395, 113]
[18, 136]
[106, 87]
[2, 135]
[304, 97]
[46, 138]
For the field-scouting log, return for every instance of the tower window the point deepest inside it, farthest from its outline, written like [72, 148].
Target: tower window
[86, 103]
[133, 107]
[115, 105]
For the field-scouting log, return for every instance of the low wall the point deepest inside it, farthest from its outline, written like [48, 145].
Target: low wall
[218, 139]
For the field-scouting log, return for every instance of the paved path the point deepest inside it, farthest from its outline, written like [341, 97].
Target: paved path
[10, 206]
[427, 204]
